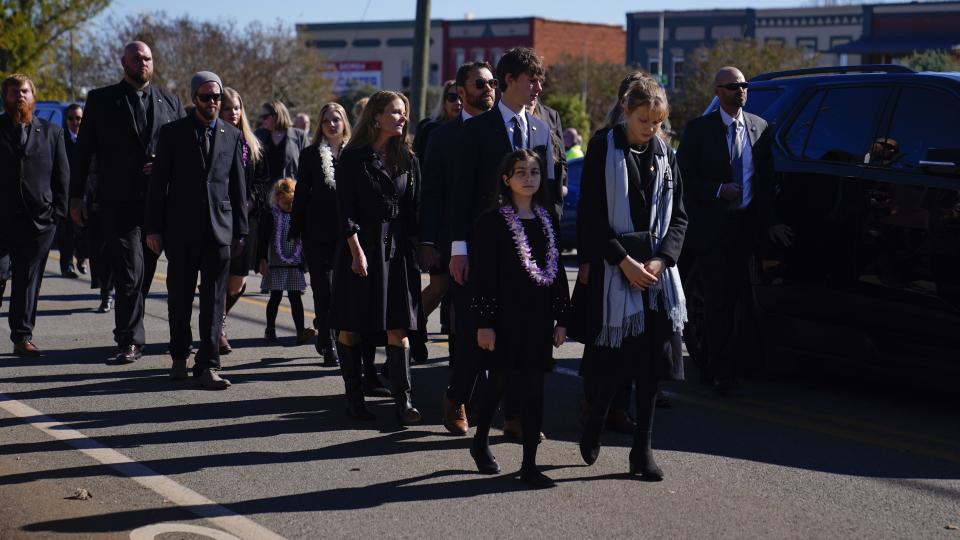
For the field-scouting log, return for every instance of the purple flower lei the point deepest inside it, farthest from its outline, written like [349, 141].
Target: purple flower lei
[520, 240]
[278, 216]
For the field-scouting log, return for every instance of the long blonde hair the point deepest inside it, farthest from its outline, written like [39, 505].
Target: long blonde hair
[256, 150]
[399, 152]
[440, 112]
[337, 108]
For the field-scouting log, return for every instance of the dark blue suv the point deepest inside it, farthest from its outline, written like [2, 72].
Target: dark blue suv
[867, 173]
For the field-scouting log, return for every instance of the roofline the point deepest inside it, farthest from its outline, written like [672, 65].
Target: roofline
[311, 27]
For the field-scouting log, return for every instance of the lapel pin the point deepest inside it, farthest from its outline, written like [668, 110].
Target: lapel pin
[222, 131]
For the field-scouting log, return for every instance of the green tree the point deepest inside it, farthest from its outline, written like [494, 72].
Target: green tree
[32, 32]
[595, 83]
[750, 56]
[933, 61]
[571, 112]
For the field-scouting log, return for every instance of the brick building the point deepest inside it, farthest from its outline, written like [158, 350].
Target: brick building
[383, 51]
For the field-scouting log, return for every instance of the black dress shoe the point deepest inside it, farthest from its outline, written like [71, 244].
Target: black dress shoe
[486, 463]
[106, 305]
[536, 479]
[68, 272]
[590, 440]
[642, 464]
[725, 387]
[179, 370]
[129, 354]
[270, 334]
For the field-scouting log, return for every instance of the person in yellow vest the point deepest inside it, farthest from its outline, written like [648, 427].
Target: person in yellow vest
[571, 142]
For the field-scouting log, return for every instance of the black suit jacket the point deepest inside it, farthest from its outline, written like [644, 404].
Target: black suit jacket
[188, 194]
[485, 142]
[552, 118]
[440, 168]
[704, 159]
[109, 132]
[315, 203]
[33, 180]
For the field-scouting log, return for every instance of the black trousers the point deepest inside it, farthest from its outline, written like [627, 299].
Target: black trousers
[465, 373]
[70, 242]
[186, 260]
[28, 250]
[133, 268]
[320, 265]
[527, 389]
[722, 272]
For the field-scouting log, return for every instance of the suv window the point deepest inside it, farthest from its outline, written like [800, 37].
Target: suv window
[759, 99]
[842, 123]
[924, 119]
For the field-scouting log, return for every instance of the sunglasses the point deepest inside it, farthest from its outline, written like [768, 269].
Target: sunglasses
[452, 98]
[480, 83]
[267, 115]
[734, 86]
[207, 98]
[74, 118]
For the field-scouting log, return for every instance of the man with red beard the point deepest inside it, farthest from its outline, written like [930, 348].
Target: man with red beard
[121, 126]
[34, 179]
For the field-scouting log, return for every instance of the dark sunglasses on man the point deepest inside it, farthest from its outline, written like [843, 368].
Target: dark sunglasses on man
[733, 87]
[207, 98]
[452, 98]
[74, 118]
[480, 83]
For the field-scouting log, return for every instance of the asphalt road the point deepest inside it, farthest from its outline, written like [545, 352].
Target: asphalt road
[790, 456]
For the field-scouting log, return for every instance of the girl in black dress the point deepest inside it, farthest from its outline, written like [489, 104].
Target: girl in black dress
[258, 189]
[521, 290]
[376, 281]
[629, 301]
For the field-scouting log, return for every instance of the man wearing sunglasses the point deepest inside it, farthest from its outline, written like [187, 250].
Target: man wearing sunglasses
[120, 128]
[476, 88]
[725, 163]
[196, 212]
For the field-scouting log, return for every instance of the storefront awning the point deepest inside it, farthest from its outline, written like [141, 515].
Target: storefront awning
[896, 45]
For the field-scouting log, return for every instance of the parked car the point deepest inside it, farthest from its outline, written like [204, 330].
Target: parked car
[568, 222]
[867, 173]
[52, 111]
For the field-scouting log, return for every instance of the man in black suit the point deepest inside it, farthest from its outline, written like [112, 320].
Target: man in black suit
[34, 179]
[725, 163]
[486, 139]
[120, 128]
[69, 240]
[196, 210]
[552, 117]
[476, 87]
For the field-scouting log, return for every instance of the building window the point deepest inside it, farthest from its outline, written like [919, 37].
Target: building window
[654, 67]
[479, 55]
[775, 41]
[434, 75]
[406, 69]
[495, 55]
[837, 41]
[459, 57]
[677, 72]
[371, 42]
[808, 44]
[689, 33]
[327, 43]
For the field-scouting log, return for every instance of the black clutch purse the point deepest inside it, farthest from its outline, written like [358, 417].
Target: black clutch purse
[637, 245]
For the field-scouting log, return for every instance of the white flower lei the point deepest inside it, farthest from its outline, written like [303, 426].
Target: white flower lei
[326, 160]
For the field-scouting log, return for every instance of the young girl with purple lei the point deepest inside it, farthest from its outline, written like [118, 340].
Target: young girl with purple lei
[521, 292]
[281, 262]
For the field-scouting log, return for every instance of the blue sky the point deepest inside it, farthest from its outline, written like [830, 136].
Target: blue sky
[294, 11]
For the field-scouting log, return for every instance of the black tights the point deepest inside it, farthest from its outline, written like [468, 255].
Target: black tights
[296, 308]
[527, 385]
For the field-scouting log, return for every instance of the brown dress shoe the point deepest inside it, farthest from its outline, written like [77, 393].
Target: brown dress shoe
[306, 336]
[620, 422]
[128, 354]
[454, 417]
[27, 349]
[211, 380]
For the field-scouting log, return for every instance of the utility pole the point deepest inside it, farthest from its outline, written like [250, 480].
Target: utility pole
[421, 63]
[660, 52]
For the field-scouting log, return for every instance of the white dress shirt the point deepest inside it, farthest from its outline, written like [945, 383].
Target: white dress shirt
[745, 150]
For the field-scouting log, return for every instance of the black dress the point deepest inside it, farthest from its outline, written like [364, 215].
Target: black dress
[380, 207]
[258, 195]
[597, 243]
[507, 299]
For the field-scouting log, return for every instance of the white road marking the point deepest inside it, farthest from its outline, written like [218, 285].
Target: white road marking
[220, 516]
[151, 532]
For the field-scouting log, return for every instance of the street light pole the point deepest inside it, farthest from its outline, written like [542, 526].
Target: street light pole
[421, 63]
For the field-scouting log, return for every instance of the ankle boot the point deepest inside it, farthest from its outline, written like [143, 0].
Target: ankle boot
[398, 358]
[350, 369]
[641, 458]
[224, 345]
[327, 347]
[590, 441]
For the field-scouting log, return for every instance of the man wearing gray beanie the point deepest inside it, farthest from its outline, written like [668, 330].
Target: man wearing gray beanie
[196, 212]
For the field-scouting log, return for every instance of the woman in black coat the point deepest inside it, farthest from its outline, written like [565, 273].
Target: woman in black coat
[315, 217]
[258, 183]
[628, 301]
[281, 142]
[376, 281]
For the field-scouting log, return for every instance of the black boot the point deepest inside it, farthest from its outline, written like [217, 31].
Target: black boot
[327, 347]
[350, 369]
[372, 386]
[398, 358]
[590, 441]
[418, 347]
[641, 458]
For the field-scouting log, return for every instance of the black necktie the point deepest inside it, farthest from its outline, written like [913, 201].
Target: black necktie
[140, 112]
[24, 133]
[517, 134]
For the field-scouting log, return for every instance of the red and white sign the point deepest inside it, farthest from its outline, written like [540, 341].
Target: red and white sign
[354, 73]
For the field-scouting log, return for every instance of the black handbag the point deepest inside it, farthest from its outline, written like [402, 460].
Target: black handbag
[637, 245]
